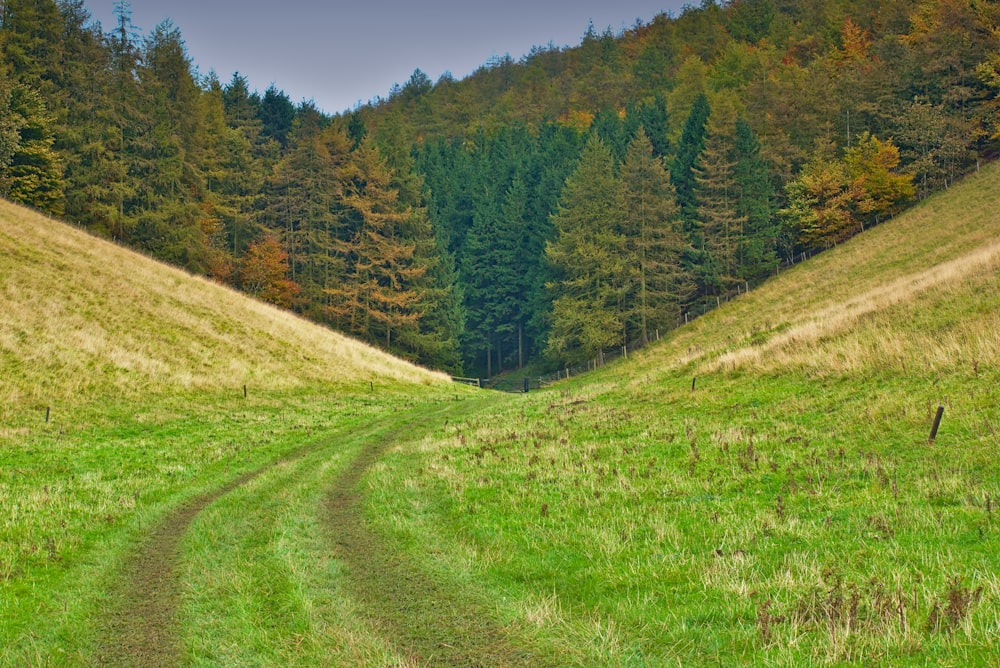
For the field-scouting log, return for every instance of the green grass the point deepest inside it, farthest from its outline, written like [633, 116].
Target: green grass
[660, 527]
[790, 510]
[262, 586]
[79, 492]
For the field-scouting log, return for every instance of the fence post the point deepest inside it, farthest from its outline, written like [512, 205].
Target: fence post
[937, 423]
[527, 384]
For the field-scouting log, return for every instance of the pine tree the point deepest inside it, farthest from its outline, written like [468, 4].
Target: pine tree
[33, 173]
[10, 125]
[755, 204]
[654, 241]
[656, 122]
[589, 256]
[682, 174]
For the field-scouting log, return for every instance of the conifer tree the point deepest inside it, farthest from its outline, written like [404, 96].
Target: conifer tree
[682, 175]
[376, 297]
[588, 253]
[10, 124]
[304, 210]
[755, 204]
[33, 173]
[722, 225]
[655, 121]
[654, 241]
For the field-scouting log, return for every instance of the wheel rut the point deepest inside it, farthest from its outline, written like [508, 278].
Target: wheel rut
[427, 621]
[141, 630]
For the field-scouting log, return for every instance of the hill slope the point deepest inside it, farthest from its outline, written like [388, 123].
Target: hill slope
[758, 488]
[915, 295]
[80, 316]
[143, 367]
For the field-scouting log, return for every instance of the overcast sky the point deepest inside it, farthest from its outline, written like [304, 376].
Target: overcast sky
[339, 54]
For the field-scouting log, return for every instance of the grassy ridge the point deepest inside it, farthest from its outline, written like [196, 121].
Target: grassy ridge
[143, 367]
[790, 510]
[82, 318]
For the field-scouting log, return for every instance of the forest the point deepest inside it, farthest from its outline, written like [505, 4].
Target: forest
[538, 212]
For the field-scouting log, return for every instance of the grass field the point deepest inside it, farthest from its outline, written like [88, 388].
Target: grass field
[130, 388]
[785, 508]
[789, 510]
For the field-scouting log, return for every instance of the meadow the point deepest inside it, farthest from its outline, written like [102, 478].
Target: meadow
[130, 391]
[192, 478]
[788, 510]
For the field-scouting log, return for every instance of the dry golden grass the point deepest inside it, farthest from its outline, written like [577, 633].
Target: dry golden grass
[880, 299]
[81, 317]
[863, 331]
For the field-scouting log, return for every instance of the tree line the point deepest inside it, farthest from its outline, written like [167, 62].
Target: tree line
[540, 210]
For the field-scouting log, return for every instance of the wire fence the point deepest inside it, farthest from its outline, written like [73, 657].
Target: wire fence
[510, 382]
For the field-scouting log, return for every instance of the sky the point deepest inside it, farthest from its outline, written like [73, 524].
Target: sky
[341, 54]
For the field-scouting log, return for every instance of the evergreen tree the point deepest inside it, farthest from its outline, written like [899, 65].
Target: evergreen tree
[277, 115]
[10, 125]
[653, 241]
[682, 173]
[755, 204]
[588, 253]
[165, 157]
[435, 339]
[487, 282]
[33, 171]
[655, 121]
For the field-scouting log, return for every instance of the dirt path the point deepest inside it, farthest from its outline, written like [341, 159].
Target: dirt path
[428, 622]
[141, 631]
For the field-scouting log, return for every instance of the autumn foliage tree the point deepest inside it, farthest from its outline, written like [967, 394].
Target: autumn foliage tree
[264, 273]
[375, 297]
[834, 198]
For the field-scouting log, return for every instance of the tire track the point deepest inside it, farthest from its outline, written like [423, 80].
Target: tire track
[141, 629]
[427, 621]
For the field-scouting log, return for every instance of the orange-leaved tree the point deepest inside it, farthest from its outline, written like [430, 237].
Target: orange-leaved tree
[264, 273]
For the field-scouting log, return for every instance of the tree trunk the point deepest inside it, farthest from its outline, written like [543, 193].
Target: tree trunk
[520, 345]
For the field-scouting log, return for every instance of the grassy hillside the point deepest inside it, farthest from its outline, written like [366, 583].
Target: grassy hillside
[789, 509]
[143, 367]
[80, 316]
